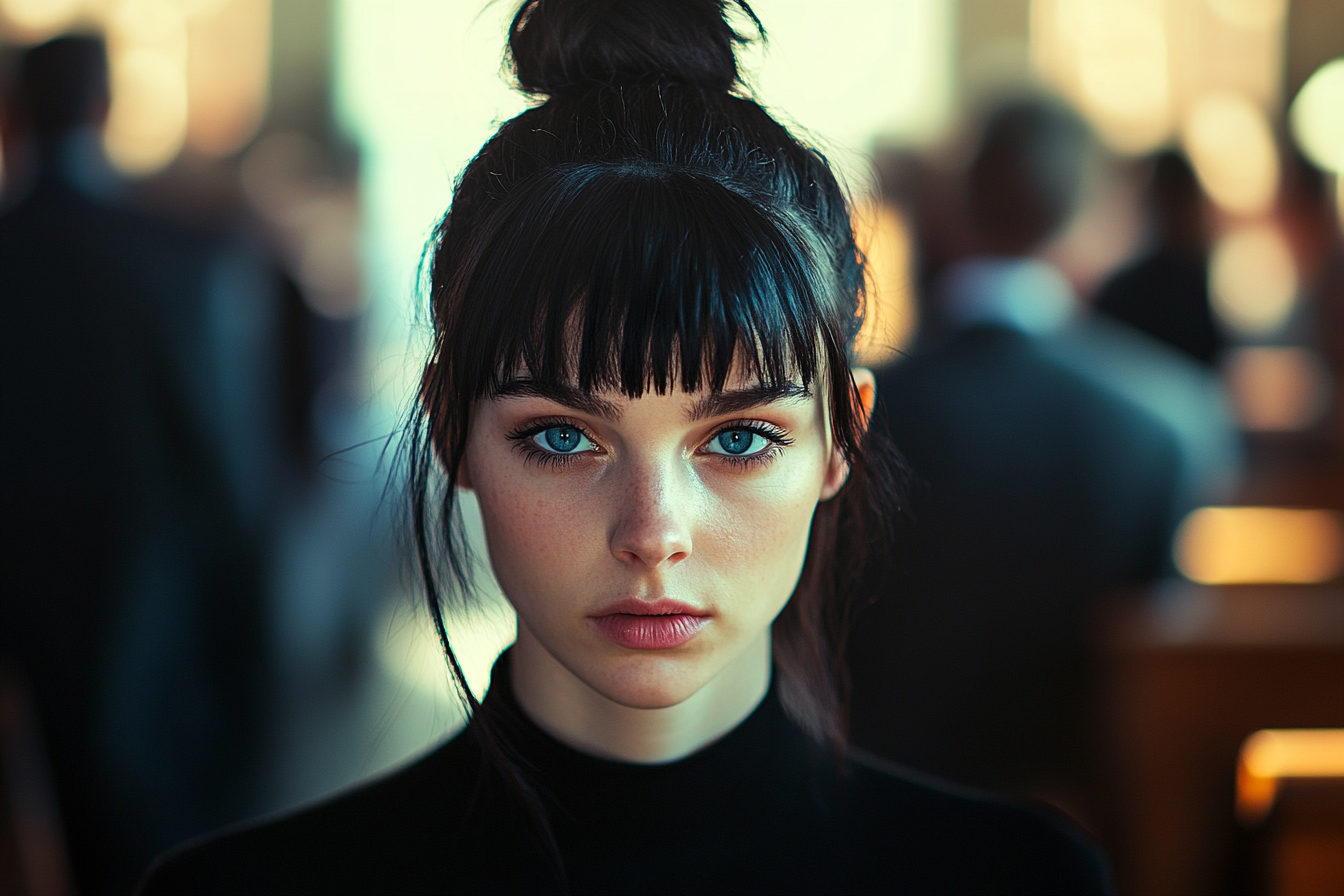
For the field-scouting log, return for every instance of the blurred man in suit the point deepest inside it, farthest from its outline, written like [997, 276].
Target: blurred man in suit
[1036, 487]
[1165, 294]
[132, 589]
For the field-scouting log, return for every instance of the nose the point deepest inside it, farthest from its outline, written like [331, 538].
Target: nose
[652, 527]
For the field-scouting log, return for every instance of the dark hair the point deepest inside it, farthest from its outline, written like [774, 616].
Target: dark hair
[62, 83]
[1177, 203]
[1026, 177]
[645, 228]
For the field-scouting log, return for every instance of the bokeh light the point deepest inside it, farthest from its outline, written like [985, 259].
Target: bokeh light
[228, 71]
[1271, 754]
[1277, 389]
[1317, 117]
[147, 123]
[1249, 15]
[1110, 56]
[38, 20]
[1230, 143]
[1136, 68]
[183, 73]
[1253, 280]
[883, 237]
[1249, 545]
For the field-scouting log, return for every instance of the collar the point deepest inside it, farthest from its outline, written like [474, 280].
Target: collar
[1023, 294]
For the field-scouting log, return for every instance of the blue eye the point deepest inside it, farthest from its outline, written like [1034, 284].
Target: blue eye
[562, 440]
[737, 442]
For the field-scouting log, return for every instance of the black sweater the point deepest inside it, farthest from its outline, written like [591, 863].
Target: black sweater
[763, 810]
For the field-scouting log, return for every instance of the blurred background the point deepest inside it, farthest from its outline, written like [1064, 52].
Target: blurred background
[1106, 298]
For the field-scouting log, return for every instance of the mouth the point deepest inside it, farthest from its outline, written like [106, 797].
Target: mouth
[649, 625]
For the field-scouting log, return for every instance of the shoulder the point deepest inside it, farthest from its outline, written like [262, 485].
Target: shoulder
[389, 835]
[941, 838]
[982, 360]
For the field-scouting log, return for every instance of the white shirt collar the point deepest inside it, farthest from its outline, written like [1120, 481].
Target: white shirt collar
[1025, 294]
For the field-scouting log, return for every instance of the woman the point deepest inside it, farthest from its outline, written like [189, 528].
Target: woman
[644, 294]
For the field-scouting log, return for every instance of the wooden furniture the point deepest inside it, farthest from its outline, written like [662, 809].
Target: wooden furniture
[1191, 672]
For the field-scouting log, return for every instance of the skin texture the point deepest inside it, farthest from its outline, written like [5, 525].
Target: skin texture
[649, 507]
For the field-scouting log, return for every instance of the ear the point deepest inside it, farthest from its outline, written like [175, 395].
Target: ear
[837, 468]
[866, 383]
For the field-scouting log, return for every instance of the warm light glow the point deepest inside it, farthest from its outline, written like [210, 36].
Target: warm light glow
[1136, 68]
[1272, 754]
[191, 73]
[144, 24]
[36, 20]
[1277, 388]
[1231, 146]
[850, 72]
[228, 71]
[1317, 117]
[1245, 545]
[148, 119]
[147, 52]
[1250, 15]
[884, 239]
[1111, 58]
[1253, 280]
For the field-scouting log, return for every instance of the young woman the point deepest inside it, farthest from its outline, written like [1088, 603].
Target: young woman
[644, 294]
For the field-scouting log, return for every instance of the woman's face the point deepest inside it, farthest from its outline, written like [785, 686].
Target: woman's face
[646, 543]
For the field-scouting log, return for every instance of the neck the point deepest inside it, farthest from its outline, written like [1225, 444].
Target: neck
[574, 713]
[76, 157]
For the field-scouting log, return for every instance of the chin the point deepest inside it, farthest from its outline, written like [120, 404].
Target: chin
[651, 681]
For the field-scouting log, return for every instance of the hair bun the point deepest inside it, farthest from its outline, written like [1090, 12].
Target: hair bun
[557, 44]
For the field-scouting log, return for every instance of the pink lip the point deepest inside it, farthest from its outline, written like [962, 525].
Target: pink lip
[649, 625]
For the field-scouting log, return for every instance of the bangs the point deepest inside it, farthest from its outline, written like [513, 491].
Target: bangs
[630, 278]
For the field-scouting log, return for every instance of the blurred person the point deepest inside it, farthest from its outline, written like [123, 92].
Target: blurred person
[133, 584]
[1309, 217]
[1165, 294]
[644, 300]
[1036, 488]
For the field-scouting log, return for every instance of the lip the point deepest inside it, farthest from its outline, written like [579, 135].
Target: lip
[649, 625]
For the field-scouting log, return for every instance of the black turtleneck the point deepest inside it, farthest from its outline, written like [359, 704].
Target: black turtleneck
[762, 810]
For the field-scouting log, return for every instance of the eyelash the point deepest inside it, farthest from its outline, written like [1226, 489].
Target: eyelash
[522, 439]
[777, 438]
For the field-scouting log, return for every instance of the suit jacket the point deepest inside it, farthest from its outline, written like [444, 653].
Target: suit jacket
[1035, 489]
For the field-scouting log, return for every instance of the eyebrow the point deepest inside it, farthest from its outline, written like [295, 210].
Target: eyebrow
[560, 393]
[713, 405]
[737, 400]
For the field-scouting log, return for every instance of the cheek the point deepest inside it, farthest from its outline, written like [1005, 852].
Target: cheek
[761, 531]
[531, 528]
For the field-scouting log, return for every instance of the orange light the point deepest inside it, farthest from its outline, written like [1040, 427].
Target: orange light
[1276, 389]
[1269, 755]
[1245, 545]
[882, 236]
